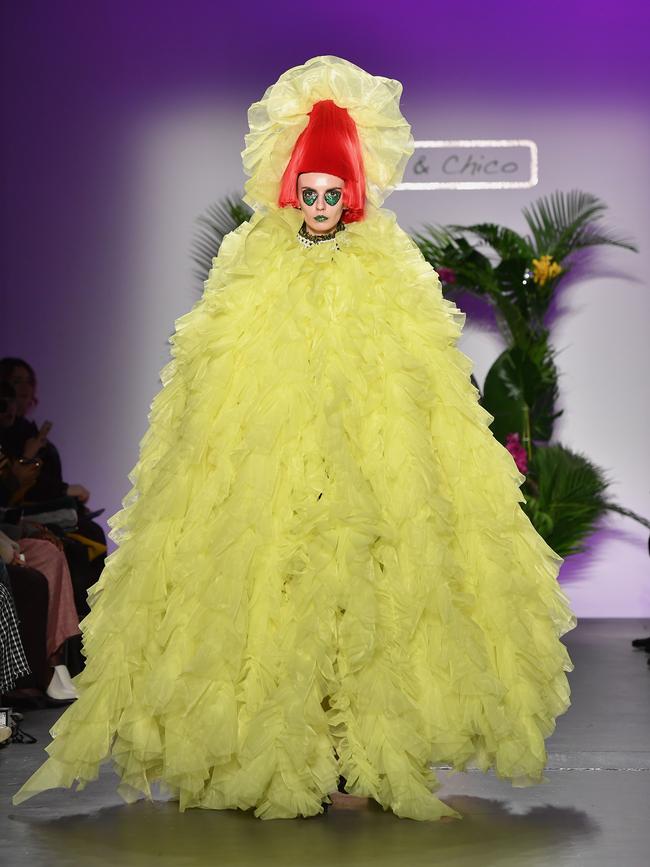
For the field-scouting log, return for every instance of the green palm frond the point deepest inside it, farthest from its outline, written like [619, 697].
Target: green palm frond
[569, 497]
[563, 222]
[442, 248]
[628, 513]
[220, 219]
[506, 242]
[434, 241]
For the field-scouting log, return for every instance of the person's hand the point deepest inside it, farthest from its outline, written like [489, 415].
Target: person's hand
[26, 473]
[33, 446]
[10, 551]
[79, 492]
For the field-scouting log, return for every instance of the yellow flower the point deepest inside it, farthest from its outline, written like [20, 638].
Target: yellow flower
[545, 269]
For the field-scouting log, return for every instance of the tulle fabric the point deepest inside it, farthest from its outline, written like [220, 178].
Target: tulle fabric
[278, 118]
[323, 565]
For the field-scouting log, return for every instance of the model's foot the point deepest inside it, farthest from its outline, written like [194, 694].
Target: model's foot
[344, 801]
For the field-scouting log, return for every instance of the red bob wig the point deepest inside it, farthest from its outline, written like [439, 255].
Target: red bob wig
[329, 143]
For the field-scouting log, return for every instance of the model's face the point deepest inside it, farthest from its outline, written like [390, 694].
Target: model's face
[320, 197]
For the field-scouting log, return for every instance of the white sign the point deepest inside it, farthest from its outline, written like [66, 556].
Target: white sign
[472, 164]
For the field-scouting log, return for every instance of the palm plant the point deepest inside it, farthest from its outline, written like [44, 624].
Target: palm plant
[519, 280]
[518, 275]
[220, 219]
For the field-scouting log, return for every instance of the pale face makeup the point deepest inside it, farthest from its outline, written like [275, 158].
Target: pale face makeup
[320, 197]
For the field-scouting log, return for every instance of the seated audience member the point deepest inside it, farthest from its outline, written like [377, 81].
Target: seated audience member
[29, 483]
[24, 438]
[60, 620]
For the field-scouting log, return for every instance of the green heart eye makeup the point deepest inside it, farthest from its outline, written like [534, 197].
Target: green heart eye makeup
[332, 197]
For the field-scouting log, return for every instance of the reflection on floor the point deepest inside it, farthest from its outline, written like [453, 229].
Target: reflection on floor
[593, 810]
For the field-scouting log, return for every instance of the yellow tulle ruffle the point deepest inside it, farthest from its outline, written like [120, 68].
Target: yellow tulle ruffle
[276, 121]
[323, 564]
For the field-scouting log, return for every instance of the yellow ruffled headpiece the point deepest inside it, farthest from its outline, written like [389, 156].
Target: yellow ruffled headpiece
[280, 116]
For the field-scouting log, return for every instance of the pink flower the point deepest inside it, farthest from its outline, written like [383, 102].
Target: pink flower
[446, 275]
[518, 452]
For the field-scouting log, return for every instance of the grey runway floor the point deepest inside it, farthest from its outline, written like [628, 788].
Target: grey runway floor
[594, 810]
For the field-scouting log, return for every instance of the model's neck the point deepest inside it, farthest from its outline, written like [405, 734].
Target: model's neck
[320, 236]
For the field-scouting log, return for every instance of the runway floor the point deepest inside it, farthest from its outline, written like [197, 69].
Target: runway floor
[595, 809]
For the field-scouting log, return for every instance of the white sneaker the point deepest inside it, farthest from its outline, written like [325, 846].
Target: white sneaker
[66, 680]
[58, 689]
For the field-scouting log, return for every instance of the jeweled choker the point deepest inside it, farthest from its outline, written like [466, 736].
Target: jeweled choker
[303, 232]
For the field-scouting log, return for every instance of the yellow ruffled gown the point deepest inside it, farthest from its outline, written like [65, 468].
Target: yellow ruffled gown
[323, 564]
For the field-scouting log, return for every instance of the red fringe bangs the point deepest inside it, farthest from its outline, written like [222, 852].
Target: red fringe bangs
[329, 144]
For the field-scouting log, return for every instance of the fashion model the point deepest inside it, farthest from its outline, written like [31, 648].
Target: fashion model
[323, 570]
